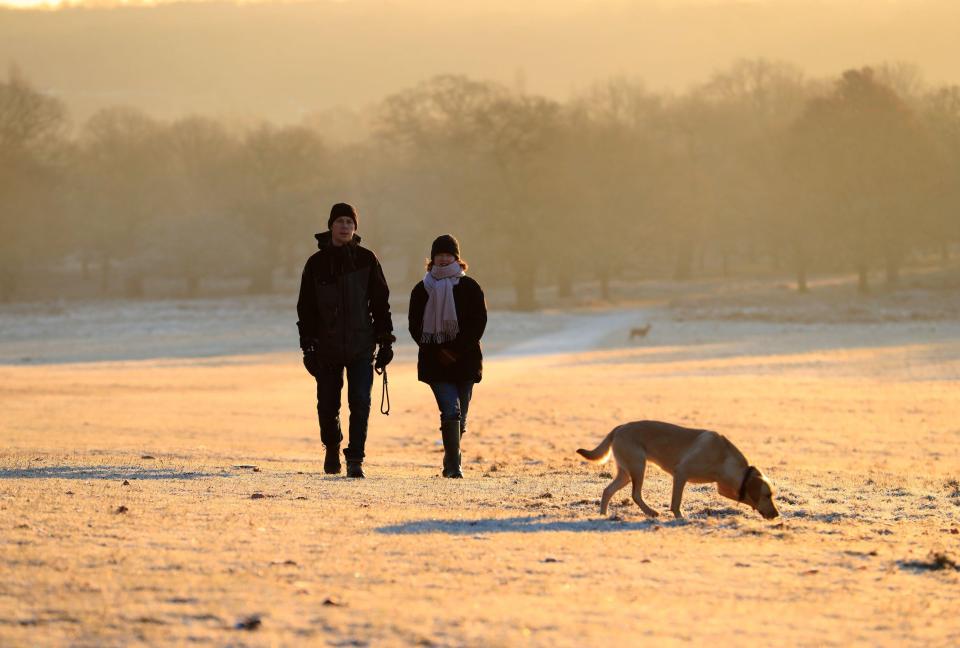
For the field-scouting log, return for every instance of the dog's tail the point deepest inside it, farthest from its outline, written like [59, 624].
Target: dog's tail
[600, 454]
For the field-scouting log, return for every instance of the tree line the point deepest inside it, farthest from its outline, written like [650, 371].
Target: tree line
[760, 168]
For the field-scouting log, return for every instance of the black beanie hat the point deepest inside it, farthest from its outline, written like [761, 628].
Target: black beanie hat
[343, 209]
[445, 243]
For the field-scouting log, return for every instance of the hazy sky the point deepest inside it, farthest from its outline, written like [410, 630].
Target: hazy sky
[557, 5]
[284, 61]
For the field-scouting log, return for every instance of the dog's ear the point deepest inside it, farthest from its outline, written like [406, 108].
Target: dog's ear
[769, 486]
[754, 490]
[758, 487]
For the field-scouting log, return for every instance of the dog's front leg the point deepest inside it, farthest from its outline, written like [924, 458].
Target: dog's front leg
[679, 481]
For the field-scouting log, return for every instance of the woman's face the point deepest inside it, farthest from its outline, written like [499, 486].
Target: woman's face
[443, 259]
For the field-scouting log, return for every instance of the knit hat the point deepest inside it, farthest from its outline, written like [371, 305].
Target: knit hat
[445, 243]
[343, 209]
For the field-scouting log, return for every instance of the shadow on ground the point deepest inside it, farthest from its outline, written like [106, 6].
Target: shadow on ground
[533, 524]
[101, 472]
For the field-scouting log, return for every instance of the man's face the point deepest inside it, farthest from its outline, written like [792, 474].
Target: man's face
[342, 230]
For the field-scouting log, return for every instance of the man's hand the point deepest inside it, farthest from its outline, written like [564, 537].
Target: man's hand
[384, 356]
[311, 360]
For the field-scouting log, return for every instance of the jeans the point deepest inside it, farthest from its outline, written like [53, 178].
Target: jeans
[453, 399]
[329, 386]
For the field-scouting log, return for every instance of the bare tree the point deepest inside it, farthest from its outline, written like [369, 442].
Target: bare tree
[941, 118]
[31, 145]
[867, 153]
[120, 182]
[285, 170]
[614, 151]
[200, 234]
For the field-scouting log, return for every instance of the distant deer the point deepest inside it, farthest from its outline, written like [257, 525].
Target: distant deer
[640, 331]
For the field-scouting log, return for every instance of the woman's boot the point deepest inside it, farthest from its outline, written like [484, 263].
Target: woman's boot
[450, 431]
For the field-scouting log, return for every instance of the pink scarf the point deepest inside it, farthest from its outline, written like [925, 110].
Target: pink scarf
[440, 316]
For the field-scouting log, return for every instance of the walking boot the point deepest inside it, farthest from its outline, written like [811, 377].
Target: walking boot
[355, 470]
[331, 462]
[450, 431]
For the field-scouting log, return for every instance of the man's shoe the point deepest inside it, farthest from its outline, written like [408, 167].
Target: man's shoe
[331, 462]
[355, 470]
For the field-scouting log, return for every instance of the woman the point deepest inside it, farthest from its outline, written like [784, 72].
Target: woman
[447, 317]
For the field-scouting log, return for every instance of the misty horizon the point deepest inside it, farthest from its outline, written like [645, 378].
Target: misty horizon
[287, 61]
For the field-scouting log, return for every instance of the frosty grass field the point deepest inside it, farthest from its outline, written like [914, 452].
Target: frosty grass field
[161, 483]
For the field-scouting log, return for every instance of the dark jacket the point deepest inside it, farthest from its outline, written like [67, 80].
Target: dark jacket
[472, 320]
[344, 305]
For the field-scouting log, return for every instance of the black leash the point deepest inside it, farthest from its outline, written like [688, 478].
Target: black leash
[385, 394]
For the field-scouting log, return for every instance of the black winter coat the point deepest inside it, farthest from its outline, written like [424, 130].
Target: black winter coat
[344, 307]
[472, 320]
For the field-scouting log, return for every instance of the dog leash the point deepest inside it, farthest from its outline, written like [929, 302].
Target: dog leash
[385, 394]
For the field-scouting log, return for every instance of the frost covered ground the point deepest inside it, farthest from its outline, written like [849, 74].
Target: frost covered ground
[161, 483]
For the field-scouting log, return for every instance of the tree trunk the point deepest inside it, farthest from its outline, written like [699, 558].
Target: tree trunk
[193, 285]
[415, 268]
[863, 282]
[525, 282]
[684, 266]
[605, 284]
[525, 294]
[289, 263]
[134, 286]
[800, 255]
[802, 280]
[104, 274]
[564, 284]
[261, 280]
[8, 284]
[893, 255]
[893, 271]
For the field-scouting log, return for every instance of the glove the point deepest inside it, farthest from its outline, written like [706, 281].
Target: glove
[311, 361]
[384, 356]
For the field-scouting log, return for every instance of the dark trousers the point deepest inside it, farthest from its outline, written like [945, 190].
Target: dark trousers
[453, 399]
[329, 386]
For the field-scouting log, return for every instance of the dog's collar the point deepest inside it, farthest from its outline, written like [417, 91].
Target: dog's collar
[743, 484]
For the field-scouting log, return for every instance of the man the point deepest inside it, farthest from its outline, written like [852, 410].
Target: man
[344, 312]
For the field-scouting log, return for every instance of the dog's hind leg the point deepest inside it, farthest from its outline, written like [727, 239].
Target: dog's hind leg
[679, 481]
[637, 468]
[621, 480]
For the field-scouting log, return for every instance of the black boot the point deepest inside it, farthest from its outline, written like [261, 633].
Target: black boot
[331, 462]
[450, 431]
[355, 470]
